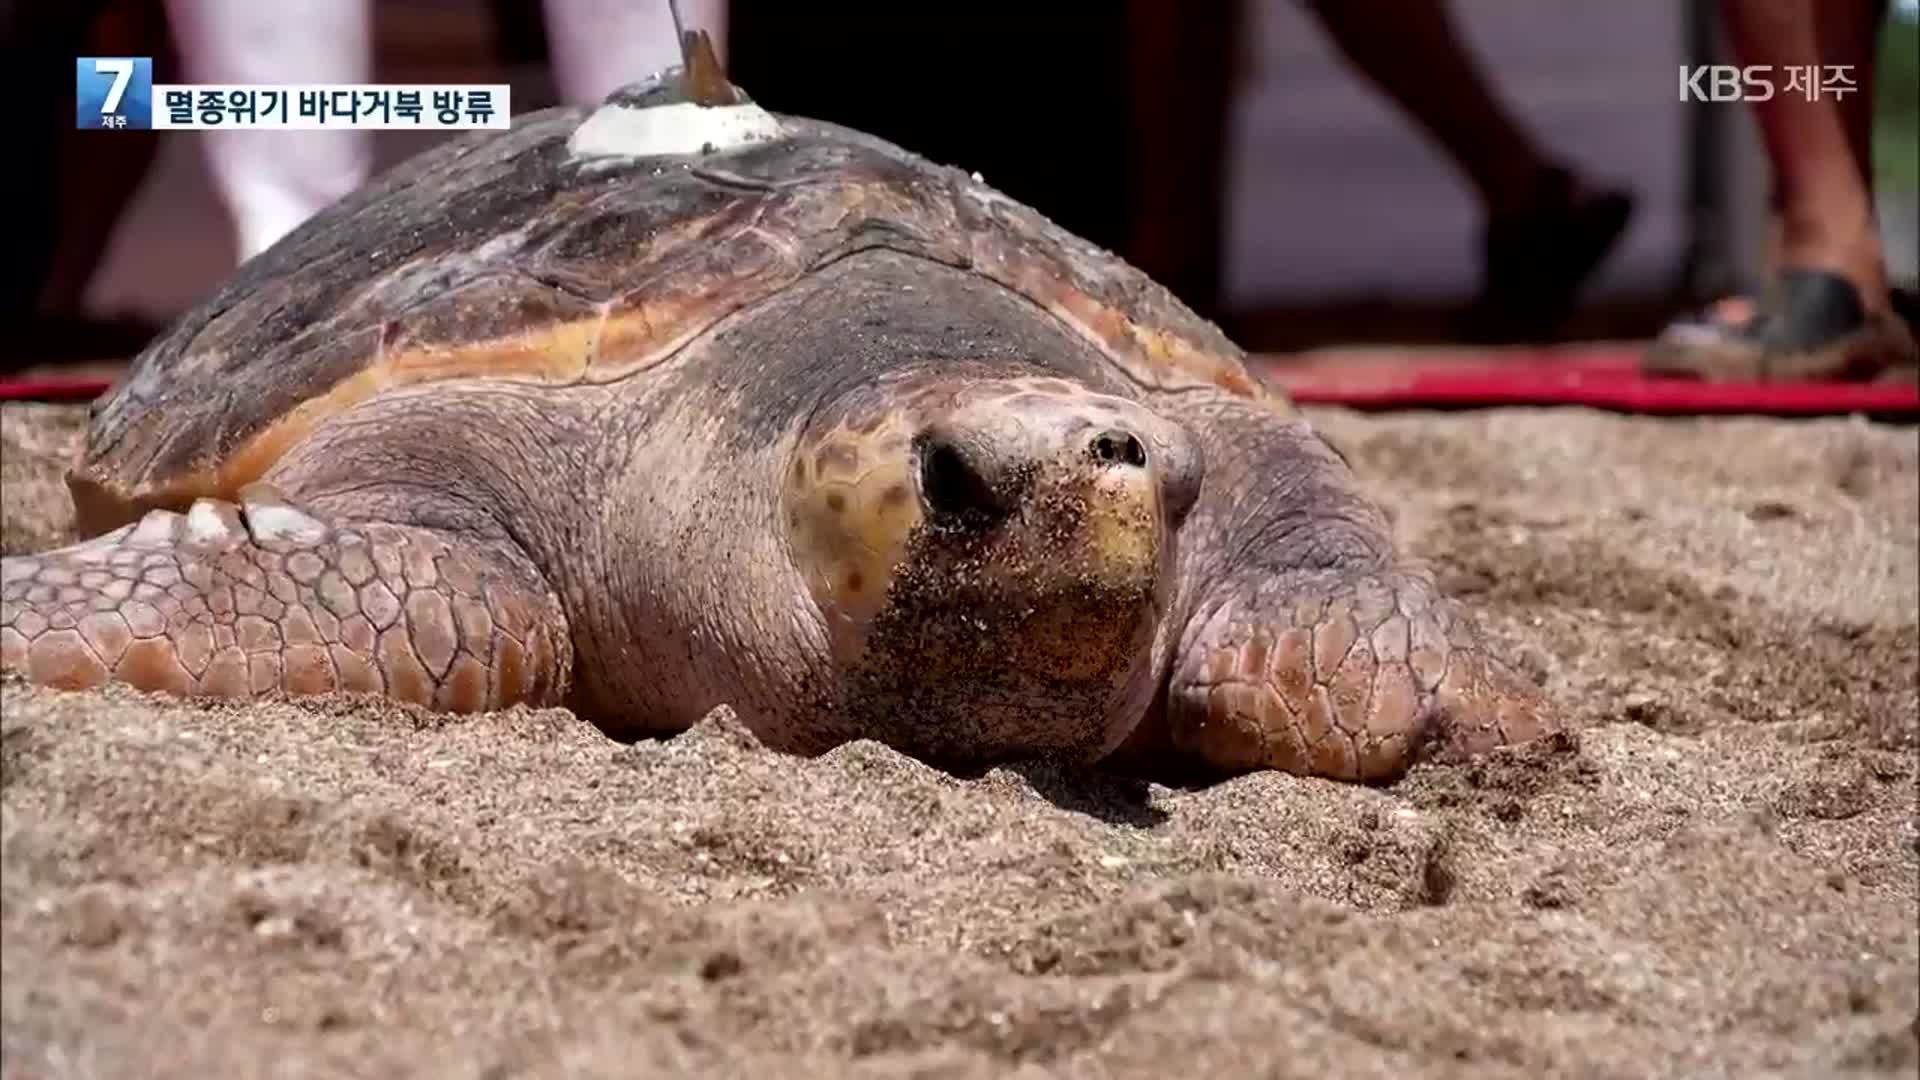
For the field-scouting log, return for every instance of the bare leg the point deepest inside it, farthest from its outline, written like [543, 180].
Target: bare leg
[599, 46]
[1826, 211]
[1546, 232]
[1827, 312]
[1412, 52]
[94, 177]
[271, 181]
[1849, 33]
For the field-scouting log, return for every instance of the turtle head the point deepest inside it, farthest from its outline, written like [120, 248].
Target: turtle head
[992, 557]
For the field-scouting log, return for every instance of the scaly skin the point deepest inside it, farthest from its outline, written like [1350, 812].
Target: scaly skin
[262, 598]
[1348, 679]
[1309, 645]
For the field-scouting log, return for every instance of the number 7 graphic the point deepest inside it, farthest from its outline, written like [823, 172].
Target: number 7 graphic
[113, 92]
[122, 72]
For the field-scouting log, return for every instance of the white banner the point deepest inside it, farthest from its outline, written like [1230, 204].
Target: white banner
[353, 106]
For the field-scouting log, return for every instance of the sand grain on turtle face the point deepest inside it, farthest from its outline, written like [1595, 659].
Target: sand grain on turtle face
[1715, 874]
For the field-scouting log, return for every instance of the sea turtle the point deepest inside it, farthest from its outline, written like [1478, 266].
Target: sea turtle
[670, 402]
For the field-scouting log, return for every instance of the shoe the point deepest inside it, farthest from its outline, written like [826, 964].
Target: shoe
[1809, 325]
[1535, 262]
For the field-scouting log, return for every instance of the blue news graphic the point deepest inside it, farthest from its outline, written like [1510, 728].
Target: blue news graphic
[113, 91]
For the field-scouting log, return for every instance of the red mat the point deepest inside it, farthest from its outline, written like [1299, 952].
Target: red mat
[1601, 378]
[53, 388]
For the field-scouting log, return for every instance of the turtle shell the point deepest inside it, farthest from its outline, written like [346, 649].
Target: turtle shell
[511, 255]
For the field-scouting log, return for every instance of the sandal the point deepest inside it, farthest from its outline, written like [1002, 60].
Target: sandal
[1725, 314]
[1809, 325]
[1536, 261]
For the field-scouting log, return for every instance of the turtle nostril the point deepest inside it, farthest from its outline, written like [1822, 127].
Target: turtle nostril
[1116, 447]
[951, 486]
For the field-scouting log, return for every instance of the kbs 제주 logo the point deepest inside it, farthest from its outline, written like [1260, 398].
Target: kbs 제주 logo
[113, 91]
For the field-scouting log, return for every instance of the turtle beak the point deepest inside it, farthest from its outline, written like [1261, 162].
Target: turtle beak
[1127, 520]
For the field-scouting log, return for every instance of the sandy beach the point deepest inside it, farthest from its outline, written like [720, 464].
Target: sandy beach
[1716, 872]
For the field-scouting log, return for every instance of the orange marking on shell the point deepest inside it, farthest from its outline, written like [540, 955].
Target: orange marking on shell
[562, 354]
[1152, 356]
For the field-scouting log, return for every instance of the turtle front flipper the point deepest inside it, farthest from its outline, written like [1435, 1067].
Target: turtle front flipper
[1309, 646]
[259, 598]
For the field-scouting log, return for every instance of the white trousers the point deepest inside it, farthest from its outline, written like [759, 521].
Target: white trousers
[271, 181]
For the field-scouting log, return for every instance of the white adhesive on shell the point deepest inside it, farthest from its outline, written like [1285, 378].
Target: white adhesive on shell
[623, 131]
[206, 525]
[157, 527]
[105, 543]
[270, 522]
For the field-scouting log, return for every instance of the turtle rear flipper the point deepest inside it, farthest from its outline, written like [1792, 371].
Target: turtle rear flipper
[259, 598]
[1310, 646]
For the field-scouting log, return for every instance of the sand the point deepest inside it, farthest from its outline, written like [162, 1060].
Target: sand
[1714, 874]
